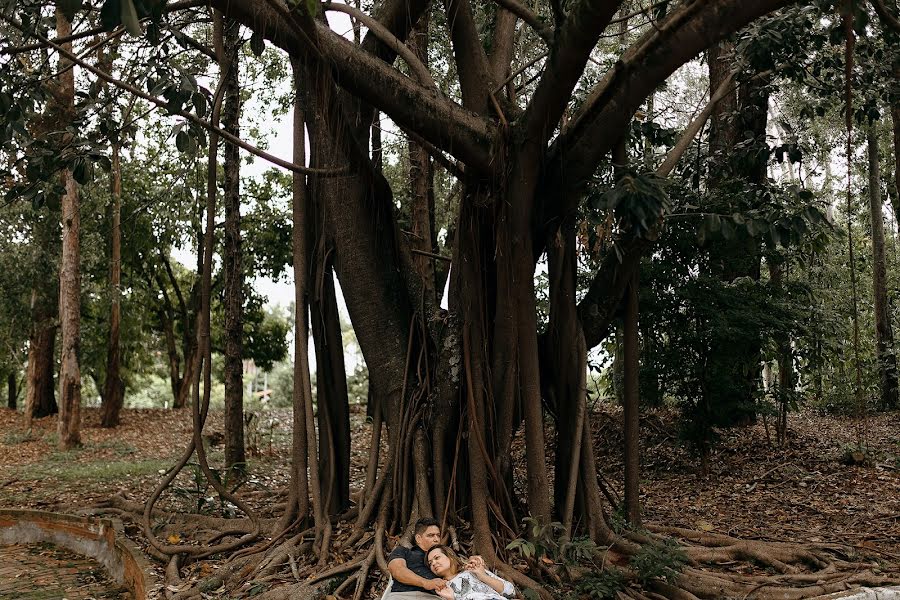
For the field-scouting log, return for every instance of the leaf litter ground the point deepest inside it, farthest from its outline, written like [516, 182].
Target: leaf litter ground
[803, 492]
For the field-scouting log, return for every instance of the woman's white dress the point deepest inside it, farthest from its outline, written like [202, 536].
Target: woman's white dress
[467, 586]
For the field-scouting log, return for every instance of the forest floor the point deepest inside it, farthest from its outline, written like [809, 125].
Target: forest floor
[805, 492]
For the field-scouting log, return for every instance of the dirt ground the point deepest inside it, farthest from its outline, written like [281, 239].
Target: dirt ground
[802, 492]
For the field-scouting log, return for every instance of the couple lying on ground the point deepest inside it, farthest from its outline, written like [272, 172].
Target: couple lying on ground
[430, 568]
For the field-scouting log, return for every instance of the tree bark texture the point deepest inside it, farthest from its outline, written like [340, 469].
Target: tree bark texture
[895, 121]
[234, 276]
[11, 392]
[69, 425]
[421, 183]
[302, 387]
[884, 335]
[516, 193]
[40, 389]
[114, 394]
[331, 391]
[632, 452]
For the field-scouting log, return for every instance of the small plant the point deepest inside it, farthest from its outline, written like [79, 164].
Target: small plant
[604, 585]
[540, 541]
[661, 560]
[854, 455]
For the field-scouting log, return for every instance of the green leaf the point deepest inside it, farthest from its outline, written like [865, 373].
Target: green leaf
[81, 171]
[111, 14]
[182, 141]
[130, 18]
[199, 101]
[312, 7]
[69, 7]
[257, 43]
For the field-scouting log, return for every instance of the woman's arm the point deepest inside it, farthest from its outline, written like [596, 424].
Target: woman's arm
[498, 584]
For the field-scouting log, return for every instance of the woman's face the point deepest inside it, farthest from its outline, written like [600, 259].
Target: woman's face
[439, 563]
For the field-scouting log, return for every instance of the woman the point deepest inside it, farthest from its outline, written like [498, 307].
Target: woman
[466, 581]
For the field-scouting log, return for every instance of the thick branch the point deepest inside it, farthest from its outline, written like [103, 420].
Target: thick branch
[183, 113]
[544, 30]
[443, 123]
[415, 65]
[578, 150]
[885, 15]
[566, 63]
[471, 60]
[597, 309]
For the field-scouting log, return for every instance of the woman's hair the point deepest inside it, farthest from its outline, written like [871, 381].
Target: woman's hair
[455, 561]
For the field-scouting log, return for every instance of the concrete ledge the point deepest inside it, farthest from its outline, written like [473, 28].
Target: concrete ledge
[91, 537]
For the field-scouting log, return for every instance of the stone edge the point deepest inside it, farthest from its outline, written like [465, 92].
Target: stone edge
[91, 537]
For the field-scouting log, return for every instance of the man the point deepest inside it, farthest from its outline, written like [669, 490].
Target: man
[413, 580]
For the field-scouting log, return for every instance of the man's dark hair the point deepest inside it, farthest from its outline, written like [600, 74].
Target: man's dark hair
[423, 524]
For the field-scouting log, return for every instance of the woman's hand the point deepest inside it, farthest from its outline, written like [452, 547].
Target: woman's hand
[476, 566]
[446, 593]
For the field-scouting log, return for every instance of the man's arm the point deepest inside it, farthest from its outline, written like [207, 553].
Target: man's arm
[400, 572]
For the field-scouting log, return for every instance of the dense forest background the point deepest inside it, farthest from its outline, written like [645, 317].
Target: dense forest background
[484, 221]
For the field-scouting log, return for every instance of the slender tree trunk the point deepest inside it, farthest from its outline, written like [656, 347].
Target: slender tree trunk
[69, 425]
[114, 395]
[234, 277]
[40, 391]
[421, 179]
[895, 119]
[11, 392]
[331, 385]
[785, 360]
[302, 384]
[884, 336]
[632, 456]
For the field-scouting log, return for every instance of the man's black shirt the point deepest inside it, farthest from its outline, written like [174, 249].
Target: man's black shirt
[415, 562]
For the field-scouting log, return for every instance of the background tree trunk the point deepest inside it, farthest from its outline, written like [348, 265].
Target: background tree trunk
[884, 335]
[40, 389]
[11, 392]
[421, 180]
[632, 452]
[331, 385]
[114, 394]
[69, 425]
[234, 276]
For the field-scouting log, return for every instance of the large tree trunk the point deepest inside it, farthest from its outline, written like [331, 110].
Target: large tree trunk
[884, 335]
[234, 277]
[69, 425]
[114, 394]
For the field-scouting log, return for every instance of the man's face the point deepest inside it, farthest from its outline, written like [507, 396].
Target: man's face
[429, 538]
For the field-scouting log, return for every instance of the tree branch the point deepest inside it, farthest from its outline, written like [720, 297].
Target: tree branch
[885, 15]
[471, 60]
[530, 18]
[598, 307]
[415, 65]
[578, 150]
[183, 113]
[175, 6]
[445, 124]
[566, 63]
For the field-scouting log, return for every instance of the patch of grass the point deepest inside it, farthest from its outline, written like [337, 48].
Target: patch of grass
[120, 447]
[60, 467]
[13, 438]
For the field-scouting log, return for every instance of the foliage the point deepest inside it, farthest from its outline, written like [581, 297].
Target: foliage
[602, 585]
[658, 560]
